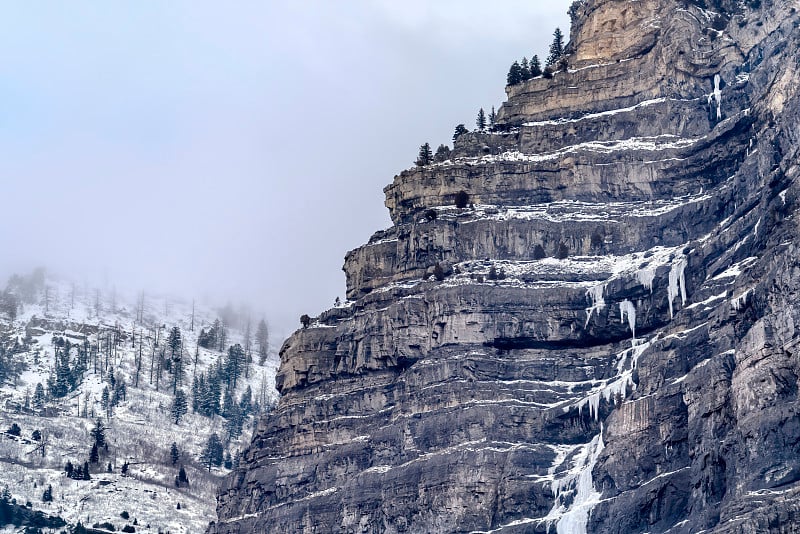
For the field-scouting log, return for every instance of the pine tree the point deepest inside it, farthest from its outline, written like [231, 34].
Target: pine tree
[222, 335]
[246, 402]
[48, 494]
[574, 10]
[492, 117]
[39, 396]
[536, 66]
[98, 433]
[262, 341]
[174, 341]
[480, 121]
[199, 392]
[86, 475]
[556, 48]
[179, 406]
[235, 364]
[174, 453]
[182, 479]
[514, 74]
[425, 156]
[105, 400]
[94, 454]
[212, 394]
[212, 452]
[525, 70]
[442, 154]
[235, 421]
[460, 130]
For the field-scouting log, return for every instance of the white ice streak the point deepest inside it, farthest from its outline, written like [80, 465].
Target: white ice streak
[651, 144]
[716, 97]
[626, 308]
[677, 283]
[576, 485]
[573, 210]
[616, 387]
[598, 303]
[591, 116]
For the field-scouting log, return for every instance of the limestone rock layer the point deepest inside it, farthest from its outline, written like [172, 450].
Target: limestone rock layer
[605, 339]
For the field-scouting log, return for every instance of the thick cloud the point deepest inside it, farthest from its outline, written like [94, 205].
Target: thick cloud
[239, 149]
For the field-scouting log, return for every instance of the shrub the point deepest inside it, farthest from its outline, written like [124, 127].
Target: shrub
[128, 528]
[305, 320]
[597, 240]
[431, 215]
[562, 252]
[539, 253]
[125, 515]
[14, 430]
[438, 272]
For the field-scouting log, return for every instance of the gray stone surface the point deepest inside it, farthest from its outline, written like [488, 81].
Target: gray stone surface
[606, 340]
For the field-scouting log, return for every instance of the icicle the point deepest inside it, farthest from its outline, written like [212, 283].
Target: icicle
[598, 302]
[716, 96]
[626, 307]
[738, 302]
[646, 277]
[677, 282]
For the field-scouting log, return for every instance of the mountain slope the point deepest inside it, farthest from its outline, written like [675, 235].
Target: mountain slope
[602, 340]
[109, 333]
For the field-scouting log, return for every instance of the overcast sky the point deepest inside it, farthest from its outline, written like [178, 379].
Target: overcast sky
[233, 149]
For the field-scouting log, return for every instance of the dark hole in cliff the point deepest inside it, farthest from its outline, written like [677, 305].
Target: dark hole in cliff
[462, 199]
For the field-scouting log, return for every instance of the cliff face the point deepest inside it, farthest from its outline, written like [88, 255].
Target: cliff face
[631, 368]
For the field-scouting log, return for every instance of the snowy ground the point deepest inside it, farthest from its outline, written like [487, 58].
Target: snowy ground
[140, 431]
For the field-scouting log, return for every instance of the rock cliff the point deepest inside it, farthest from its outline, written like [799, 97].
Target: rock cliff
[605, 338]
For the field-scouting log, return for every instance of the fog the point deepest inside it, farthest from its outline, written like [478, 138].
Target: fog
[233, 151]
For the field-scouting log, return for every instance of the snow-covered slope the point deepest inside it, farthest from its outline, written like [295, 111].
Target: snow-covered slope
[112, 333]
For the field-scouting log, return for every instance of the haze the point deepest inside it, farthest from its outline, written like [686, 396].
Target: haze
[234, 150]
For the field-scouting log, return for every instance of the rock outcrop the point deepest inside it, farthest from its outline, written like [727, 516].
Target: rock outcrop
[604, 339]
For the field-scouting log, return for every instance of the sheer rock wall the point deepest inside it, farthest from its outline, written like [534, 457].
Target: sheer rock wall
[605, 339]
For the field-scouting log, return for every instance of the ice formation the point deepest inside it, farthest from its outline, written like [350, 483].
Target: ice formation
[677, 283]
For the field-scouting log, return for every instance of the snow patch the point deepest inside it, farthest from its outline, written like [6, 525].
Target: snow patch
[736, 269]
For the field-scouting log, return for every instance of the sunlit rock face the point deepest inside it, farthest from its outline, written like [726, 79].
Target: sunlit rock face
[603, 339]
